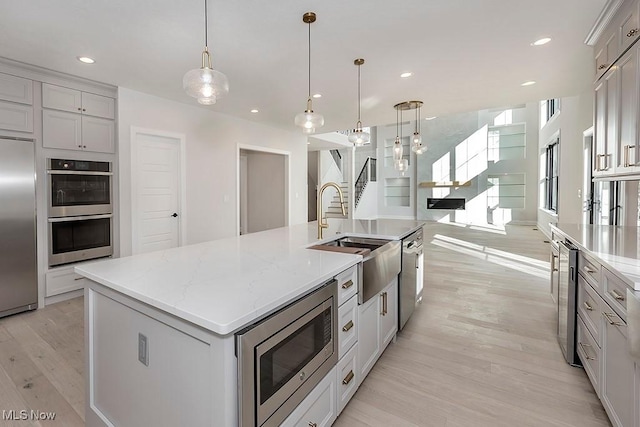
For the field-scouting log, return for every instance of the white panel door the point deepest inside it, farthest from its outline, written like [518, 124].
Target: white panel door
[155, 196]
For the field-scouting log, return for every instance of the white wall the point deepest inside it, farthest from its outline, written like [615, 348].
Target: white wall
[575, 116]
[211, 162]
[368, 204]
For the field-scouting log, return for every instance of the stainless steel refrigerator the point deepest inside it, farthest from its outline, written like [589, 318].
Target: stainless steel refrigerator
[18, 272]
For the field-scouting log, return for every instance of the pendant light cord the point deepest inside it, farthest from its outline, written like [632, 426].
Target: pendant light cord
[358, 93]
[206, 26]
[309, 40]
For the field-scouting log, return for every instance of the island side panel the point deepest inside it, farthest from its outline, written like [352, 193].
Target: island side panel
[189, 377]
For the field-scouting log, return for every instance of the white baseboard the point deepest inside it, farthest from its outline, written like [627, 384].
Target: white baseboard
[63, 297]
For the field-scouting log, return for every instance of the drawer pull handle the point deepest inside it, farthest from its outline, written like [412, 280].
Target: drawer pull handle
[311, 424]
[610, 320]
[347, 284]
[632, 33]
[582, 346]
[348, 378]
[587, 306]
[591, 271]
[616, 295]
[602, 66]
[384, 304]
[78, 278]
[348, 326]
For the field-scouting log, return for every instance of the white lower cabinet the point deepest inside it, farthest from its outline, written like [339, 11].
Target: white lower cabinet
[377, 326]
[347, 377]
[590, 355]
[62, 280]
[618, 372]
[318, 409]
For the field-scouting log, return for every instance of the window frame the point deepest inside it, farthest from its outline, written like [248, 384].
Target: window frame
[551, 178]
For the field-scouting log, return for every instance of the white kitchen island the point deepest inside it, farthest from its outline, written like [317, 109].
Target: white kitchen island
[159, 327]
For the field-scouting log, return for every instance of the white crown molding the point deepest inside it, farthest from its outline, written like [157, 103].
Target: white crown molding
[603, 20]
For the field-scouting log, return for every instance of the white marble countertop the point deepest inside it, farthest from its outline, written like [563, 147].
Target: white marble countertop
[617, 248]
[225, 285]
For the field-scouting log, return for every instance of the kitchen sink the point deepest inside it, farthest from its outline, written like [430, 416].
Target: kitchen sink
[380, 266]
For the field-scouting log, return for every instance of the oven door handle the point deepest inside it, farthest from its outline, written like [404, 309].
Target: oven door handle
[93, 173]
[79, 218]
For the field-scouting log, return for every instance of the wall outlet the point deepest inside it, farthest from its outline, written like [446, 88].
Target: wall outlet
[143, 349]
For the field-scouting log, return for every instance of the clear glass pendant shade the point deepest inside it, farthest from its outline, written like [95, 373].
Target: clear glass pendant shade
[401, 165]
[205, 84]
[359, 137]
[397, 150]
[308, 120]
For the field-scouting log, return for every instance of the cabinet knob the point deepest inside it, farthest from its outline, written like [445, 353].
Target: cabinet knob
[79, 109]
[312, 424]
[175, 215]
[84, 146]
[84, 109]
[632, 33]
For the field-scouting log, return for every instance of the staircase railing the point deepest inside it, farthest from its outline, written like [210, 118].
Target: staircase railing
[337, 157]
[368, 173]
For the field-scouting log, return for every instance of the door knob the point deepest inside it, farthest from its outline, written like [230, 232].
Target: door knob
[175, 215]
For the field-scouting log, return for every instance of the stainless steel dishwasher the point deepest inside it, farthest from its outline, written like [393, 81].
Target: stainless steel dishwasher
[567, 298]
[411, 276]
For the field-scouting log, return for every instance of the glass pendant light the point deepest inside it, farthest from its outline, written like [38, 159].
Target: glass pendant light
[357, 136]
[416, 143]
[205, 83]
[308, 120]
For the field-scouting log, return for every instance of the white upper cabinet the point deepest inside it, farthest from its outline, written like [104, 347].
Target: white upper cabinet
[606, 52]
[75, 101]
[16, 89]
[628, 27]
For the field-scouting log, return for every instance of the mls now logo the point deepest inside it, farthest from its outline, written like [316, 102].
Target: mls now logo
[32, 415]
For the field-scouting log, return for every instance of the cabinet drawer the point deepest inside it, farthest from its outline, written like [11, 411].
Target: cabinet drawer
[589, 307]
[318, 408]
[590, 270]
[589, 353]
[615, 293]
[347, 284]
[16, 89]
[347, 325]
[347, 372]
[16, 117]
[63, 280]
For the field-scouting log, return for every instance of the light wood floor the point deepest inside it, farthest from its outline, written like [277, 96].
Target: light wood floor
[479, 351]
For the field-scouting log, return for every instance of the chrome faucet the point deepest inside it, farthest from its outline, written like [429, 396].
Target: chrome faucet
[322, 224]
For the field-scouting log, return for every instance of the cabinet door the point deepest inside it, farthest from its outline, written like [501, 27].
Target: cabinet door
[99, 106]
[600, 127]
[629, 27]
[618, 372]
[98, 134]
[589, 354]
[16, 89]
[318, 409]
[388, 314]
[606, 53]
[16, 117]
[610, 157]
[628, 107]
[347, 377]
[368, 335]
[61, 130]
[61, 98]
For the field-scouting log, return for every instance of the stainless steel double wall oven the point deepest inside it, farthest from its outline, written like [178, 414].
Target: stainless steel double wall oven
[283, 357]
[80, 210]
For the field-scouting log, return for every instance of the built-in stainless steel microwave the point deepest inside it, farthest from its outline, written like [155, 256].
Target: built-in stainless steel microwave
[79, 187]
[282, 358]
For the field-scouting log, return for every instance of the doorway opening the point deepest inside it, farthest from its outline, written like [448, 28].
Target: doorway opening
[263, 189]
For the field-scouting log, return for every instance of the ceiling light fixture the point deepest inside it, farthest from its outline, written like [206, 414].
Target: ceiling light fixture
[254, 111]
[205, 83]
[357, 136]
[542, 41]
[86, 59]
[529, 83]
[317, 95]
[416, 140]
[405, 75]
[430, 118]
[399, 162]
[308, 120]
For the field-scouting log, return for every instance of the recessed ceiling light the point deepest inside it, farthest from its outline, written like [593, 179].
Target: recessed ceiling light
[254, 111]
[430, 118]
[405, 75]
[317, 95]
[529, 83]
[542, 41]
[86, 59]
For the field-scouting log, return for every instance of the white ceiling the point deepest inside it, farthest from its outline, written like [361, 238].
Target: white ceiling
[465, 54]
